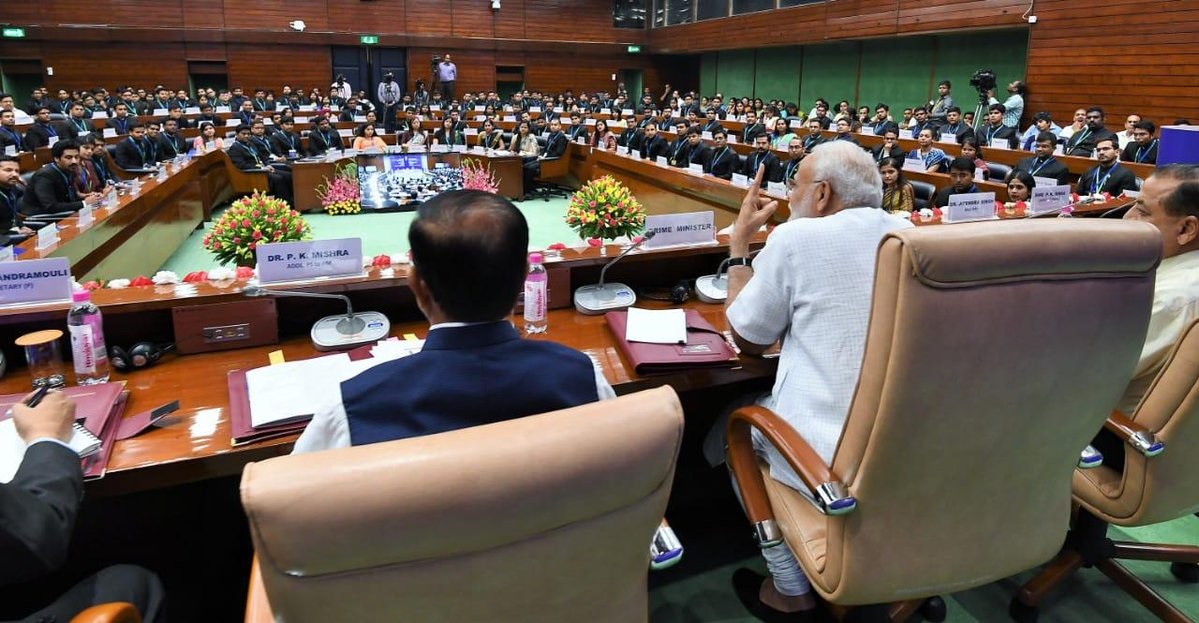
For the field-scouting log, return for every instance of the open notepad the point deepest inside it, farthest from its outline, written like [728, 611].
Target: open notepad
[12, 447]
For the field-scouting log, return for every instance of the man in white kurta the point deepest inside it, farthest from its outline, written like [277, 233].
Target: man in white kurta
[810, 287]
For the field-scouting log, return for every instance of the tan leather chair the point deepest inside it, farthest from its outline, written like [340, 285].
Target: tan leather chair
[1160, 482]
[109, 613]
[546, 518]
[993, 352]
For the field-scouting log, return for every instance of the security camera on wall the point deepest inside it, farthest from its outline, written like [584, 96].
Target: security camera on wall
[298, 25]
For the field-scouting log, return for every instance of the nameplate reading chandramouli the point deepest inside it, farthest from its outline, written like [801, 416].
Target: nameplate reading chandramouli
[35, 281]
[297, 261]
[680, 229]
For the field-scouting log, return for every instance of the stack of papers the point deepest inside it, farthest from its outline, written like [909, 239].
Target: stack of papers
[656, 326]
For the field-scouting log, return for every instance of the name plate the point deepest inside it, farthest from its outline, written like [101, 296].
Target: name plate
[558, 109]
[359, 118]
[914, 164]
[434, 108]
[1049, 198]
[480, 108]
[347, 133]
[470, 132]
[589, 121]
[948, 137]
[299, 120]
[85, 218]
[458, 149]
[99, 114]
[35, 281]
[696, 169]
[705, 135]
[51, 141]
[416, 149]
[191, 110]
[10, 150]
[680, 229]
[533, 109]
[229, 123]
[740, 180]
[47, 236]
[1132, 194]
[161, 112]
[110, 133]
[605, 111]
[227, 109]
[795, 123]
[732, 140]
[439, 149]
[480, 118]
[905, 134]
[294, 261]
[628, 112]
[566, 121]
[661, 161]
[1044, 181]
[970, 207]
[580, 140]
[1058, 150]
[1000, 143]
[6, 254]
[622, 150]
[777, 189]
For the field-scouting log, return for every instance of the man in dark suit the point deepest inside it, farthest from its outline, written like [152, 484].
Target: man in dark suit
[245, 115]
[763, 156]
[578, 129]
[42, 130]
[752, 128]
[1044, 163]
[679, 154]
[712, 123]
[181, 122]
[922, 122]
[555, 146]
[135, 152]
[955, 126]
[246, 156]
[10, 136]
[1143, 148]
[121, 119]
[286, 142]
[1109, 177]
[796, 152]
[889, 149]
[653, 145]
[995, 130]
[77, 123]
[961, 181]
[324, 138]
[11, 193]
[814, 137]
[37, 516]
[52, 188]
[1086, 141]
[170, 142]
[882, 121]
[723, 162]
[699, 153]
[100, 160]
[436, 390]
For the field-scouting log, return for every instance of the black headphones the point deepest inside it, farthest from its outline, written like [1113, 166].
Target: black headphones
[140, 355]
[677, 295]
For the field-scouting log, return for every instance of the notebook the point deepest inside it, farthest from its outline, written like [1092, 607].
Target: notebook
[98, 410]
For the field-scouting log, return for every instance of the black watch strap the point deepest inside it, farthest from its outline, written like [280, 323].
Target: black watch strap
[740, 261]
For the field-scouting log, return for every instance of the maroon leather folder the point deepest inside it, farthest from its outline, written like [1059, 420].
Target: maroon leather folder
[100, 409]
[705, 347]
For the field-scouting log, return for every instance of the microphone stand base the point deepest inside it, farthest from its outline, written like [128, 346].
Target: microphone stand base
[596, 299]
[342, 332]
[712, 289]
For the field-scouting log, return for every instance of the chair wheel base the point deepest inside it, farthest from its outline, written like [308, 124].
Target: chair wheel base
[933, 609]
[1022, 612]
[1187, 572]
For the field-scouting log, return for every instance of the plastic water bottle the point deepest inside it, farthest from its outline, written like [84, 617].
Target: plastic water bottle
[87, 340]
[536, 319]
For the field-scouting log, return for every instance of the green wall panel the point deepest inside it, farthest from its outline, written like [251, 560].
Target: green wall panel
[735, 73]
[707, 74]
[896, 72]
[829, 71]
[777, 73]
[959, 56]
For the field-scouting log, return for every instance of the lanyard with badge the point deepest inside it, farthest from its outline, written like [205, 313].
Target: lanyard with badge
[66, 180]
[252, 152]
[1141, 156]
[1040, 166]
[139, 149]
[1099, 183]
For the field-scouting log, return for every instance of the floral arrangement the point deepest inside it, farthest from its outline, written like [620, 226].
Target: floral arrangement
[1012, 208]
[341, 195]
[477, 177]
[604, 208]
[250, 221]
[926, 215]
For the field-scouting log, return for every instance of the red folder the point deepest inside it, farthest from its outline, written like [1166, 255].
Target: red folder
[99, 408]
[705, 347]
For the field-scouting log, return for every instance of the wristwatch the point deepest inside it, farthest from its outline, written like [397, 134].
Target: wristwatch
[740, 261]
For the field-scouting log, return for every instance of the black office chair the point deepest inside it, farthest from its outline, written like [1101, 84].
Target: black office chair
[549, 169]
[924, 193]
[999, 172]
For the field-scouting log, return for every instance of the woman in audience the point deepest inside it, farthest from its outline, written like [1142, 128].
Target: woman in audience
[845, 131]
[934, 159]
[843, 111]
[86, 180]
[489, 111]
[448, 135]
[603, 138]
[207, 140]
[416, 136]
[769, 116]
[1019, 186]
[781, 135]
[491, 137]
[425, 112]
[525, 141]
[971, 149]
[898, 195]
[365, 138]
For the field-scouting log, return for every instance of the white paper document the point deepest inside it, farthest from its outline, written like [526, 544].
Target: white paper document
[12, 448]
[656, 326]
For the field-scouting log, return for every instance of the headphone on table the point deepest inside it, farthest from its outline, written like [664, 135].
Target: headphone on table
[677, 294]
[140, 355]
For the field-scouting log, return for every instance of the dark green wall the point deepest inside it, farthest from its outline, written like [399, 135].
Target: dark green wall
[901, 71]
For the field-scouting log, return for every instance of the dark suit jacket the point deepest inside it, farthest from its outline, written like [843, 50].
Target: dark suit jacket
[699, 155]
[100, 164]
[810, 142]
[130, 158]
[1119, 180]
[1049, 168]
[281, 142]
[723, 163]
[896, 152]
[37, 512]
[650, 150]
[9, 201]
[1083, 143]
[881, 127]
[49, 192]
[555, 145]
[70, 130]
[774, 170]
[960, 131]
[120, 125]
[243, 154]
[166, 143]
[750, 131]
[941, 199]
[38, 135]
[319, 143]
[12, 137]
[1148, 156]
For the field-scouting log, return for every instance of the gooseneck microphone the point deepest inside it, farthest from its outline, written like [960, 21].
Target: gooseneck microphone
[339, 331]
[605, 297]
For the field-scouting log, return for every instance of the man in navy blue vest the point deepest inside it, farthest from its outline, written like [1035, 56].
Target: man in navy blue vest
[468, 265]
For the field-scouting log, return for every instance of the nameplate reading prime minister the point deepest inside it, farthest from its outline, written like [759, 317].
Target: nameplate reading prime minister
[672, 230]
[35, 281]
[309, 259]
[970, 207]
[1050, 199]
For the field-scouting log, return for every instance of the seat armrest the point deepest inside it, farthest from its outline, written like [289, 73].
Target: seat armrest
[827, 489]
[1140, 438]
[109, 613]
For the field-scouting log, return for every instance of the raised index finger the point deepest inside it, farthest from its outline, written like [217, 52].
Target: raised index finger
[761, 174]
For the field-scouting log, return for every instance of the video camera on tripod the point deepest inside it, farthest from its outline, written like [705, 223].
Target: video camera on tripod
[983, 81]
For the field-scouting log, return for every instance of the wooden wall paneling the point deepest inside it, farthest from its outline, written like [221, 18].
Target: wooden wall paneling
[428, 17]
[150, 13]
[921, 16]
[376, 16]
[253, 66]
[200, 51]
[859, 19]
[207, 14]
[21, 13]
[276, 14]
[116, 63]
[507, 23]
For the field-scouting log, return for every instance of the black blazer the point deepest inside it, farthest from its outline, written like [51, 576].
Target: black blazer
[131, 158]
[810, 142]
[1147, 155]
[243, 157]
[650, 150]
[37, 512]
[960, 130]
[319, 143]
[774, 170]
[555, 145]
[1083, 143]
[12, 137]
[120, 125]
[50, 191]
[896, 152]
[1051, 167]
[988, 134]
[722, 163]
[171, 147]
[10, 200]
[1114, 181]
[282, 142]
[38, 135]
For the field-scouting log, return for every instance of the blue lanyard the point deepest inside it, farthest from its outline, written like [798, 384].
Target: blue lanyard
[719, 155]
[252, 152]
[67, 180]
[86, 181]
[1078, 138]
[139, 149]
[1041, 166]
[171, 143]
[991, 132]
[82, 125]
[1140, 156]
[791, 167]
[15, 137]
[679, 149]
[50, 129]
[1097, 184]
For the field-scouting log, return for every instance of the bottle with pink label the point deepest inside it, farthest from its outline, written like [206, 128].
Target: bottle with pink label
[536, 284]
[86, 326]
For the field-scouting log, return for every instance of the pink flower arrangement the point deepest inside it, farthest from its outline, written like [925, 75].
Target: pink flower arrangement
[341, 195]
[477, 177]
[251, 220]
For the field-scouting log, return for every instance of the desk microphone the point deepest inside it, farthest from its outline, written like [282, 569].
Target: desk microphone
[340, 331]
[602, 298]
[715, 288]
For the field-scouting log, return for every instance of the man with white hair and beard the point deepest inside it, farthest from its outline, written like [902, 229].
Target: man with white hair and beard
[811, 287]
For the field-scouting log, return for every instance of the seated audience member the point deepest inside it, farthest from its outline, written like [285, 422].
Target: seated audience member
[921, 121]
[813, 137]
[471, 338]
[52, 189]
[414, 136]
[724, 161]
[246, 157]
[246, 114]
[810, 287]
[490, 136]
[934, 159]
[260, 142]
[908, 120]
[447, 135]
[1020, 185]
[208, 140]
[170, 141]
[889, 148]
[955, 126]
[695, 152]
[826, 122]
[578, 129]
[712, 123]
[653, 145]
[555, 146]
[366, 139]
[153, 128]
[603, 138]
[845, 131]
[782, 134]
[88, 180]
[324, 137]
[285, 143]
[7, 103]
[208, 116]
[996, 130]
[762, 156]
[1084, 143]
[752, 128]
[181, 122]
[10, 136]
[898, 194]
[961, 181]
[1143, 149]
[11, 193]
[122, 121]
[1077, 124]
[882, 121]
[972, 150]
[795, 153]
[1108, 177]
[1129, 133]
[1044, 163]
[1041, 122]
[77, 123]
[37, 516]
[100, 160]
[136, 151]
[42, 130]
